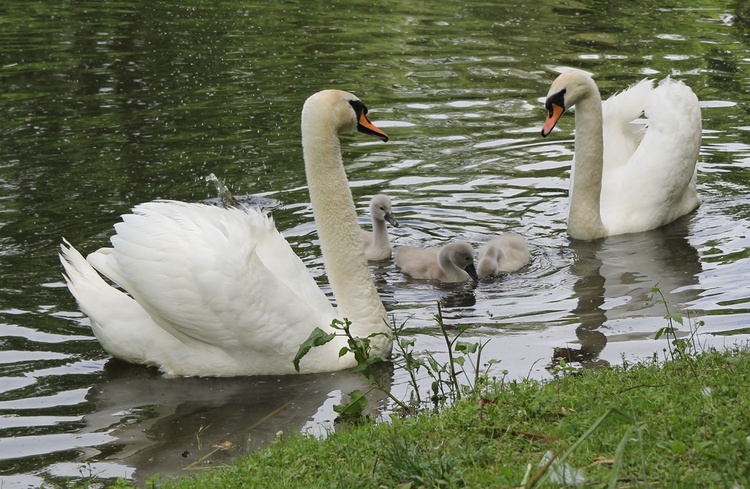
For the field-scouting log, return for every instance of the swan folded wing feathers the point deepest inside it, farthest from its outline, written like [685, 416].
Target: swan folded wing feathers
[662, 163]
[289, 269]
[261, 261]
[157, 269]
[172, 290]
[621, 135]
[270, 270]
[674, 117]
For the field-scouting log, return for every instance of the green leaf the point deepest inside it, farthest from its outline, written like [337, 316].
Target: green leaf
[337, 324]
[433, 364]
[466, 348]
[361, 367]
[318, 337]
[355, 406]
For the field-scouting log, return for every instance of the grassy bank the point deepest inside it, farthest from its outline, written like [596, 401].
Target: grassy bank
[681, 423]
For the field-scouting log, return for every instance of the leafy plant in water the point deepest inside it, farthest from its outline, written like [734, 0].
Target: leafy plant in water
[361, 349]
[446, 386]
[682, 347]
[352, 411]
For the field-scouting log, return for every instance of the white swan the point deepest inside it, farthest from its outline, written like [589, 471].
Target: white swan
[376, 242]
[453, 262]
[626, 177]
[219, 292]
[505, 253]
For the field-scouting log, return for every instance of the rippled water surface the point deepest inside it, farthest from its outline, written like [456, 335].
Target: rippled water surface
[108, 104]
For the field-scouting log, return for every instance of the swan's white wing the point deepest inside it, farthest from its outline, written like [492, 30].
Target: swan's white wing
[657, 184]
[220, 276]
[620, 134]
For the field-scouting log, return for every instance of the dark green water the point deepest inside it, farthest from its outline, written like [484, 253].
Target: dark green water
[107, 104]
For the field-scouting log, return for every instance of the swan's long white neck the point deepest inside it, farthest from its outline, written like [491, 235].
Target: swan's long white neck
[584, 218]
[338, 229]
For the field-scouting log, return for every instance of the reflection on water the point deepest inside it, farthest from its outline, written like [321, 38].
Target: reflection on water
[108, 104]
[616, 277]
[191, 423]
[624, 269]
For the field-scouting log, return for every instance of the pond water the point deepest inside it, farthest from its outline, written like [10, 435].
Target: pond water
[108, 104]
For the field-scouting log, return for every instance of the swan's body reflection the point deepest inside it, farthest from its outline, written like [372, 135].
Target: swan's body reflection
[166, 425]
[615, 280]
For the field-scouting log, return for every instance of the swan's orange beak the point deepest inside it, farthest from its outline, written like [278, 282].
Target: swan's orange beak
[553, 116]
[364, 125]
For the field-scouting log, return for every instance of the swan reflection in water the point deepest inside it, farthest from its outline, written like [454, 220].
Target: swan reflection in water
[171, 426]
[616, 276]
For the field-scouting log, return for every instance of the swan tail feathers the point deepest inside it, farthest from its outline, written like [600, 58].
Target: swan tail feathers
[80, 276]
[87, 286]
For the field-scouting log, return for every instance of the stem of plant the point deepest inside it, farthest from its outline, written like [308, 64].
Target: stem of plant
[449, 343]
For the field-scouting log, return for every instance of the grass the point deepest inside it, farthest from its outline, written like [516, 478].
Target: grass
[673, 424]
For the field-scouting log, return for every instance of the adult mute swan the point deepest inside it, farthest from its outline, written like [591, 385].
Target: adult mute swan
[628, 178]
[376, 242]
[219, 292]
[502, 254]
[453, 262]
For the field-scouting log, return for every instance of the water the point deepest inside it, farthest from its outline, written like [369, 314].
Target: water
[107, 104]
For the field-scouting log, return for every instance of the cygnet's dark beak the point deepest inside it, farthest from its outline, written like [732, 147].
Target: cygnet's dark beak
[391, 220]
[472, 271]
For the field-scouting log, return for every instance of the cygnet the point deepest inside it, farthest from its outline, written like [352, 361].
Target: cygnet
[376, 242]
[505, 253]
[453, 262]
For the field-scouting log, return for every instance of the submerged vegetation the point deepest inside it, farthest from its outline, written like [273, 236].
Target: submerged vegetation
[658, 423]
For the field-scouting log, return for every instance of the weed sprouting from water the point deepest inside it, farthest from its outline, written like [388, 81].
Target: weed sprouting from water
[684, 347]
[446, 386]
[461, 375]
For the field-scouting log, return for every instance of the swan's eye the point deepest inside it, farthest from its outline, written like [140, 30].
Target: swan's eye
[556, 99]
[358, 107]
